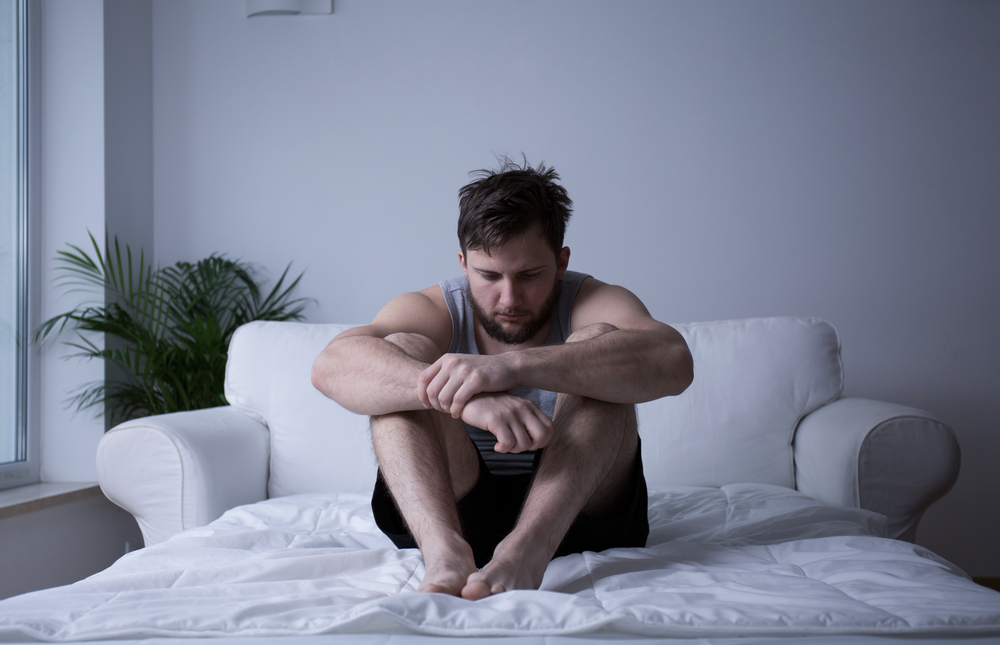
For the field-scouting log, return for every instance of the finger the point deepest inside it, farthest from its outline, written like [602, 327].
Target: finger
[470, 388]
[431, 391]
[544, 419]
[445, 385]
[522, 441]
[540, 427]
[439, 392]
[505, 440]
[424, 380]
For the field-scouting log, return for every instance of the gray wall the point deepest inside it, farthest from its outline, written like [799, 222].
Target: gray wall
[62, 544]
[128, 140]
[727, 159]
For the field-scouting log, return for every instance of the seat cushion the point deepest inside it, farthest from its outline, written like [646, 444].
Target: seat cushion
[316, 445]
[754, 379]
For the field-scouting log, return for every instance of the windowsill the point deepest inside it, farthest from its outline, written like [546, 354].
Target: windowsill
[34, 497]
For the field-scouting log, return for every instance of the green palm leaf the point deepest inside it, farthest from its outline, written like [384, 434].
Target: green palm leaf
[171, 326]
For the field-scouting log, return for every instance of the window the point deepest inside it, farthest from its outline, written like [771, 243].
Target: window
[18, 463]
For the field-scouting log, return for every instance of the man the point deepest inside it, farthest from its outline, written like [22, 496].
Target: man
[502, 403]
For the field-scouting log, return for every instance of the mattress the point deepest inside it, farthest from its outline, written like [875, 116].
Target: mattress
[744, 560]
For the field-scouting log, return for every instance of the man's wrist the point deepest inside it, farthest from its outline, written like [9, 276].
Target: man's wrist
[516, 363]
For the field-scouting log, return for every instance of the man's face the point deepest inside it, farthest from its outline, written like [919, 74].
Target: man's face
[514, 289]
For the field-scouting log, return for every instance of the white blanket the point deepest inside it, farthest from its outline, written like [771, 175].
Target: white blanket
[741, 560]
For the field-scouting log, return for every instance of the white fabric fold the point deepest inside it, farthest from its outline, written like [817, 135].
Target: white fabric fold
[740, 560]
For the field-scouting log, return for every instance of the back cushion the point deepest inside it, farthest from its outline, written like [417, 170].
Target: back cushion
[316, 445]
[753, 380]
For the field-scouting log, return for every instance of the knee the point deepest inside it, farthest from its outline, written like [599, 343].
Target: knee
[617, 420]
[428, 422]
[426, 425]
[614, 414]
[590, 331]
[391, 423]
[418, 346]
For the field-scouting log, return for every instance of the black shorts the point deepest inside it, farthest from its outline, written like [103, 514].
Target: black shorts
[488, 513]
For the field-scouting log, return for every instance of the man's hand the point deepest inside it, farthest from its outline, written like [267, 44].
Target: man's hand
[475, 389]
[451, 381]
[517, 423]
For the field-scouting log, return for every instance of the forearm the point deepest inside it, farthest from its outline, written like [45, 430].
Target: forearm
[368, 375]
[618, 366]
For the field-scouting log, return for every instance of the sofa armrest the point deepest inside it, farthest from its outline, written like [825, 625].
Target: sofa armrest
[879, 456]
[178, 471]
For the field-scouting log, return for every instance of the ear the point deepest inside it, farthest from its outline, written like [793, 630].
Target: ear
[461, 262]
[562, 262]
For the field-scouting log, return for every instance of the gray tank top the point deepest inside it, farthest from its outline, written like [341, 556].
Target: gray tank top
[463, 341]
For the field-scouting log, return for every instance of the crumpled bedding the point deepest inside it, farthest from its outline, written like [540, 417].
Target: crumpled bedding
[741, 560]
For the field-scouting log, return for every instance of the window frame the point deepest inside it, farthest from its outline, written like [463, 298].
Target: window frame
[28, 470]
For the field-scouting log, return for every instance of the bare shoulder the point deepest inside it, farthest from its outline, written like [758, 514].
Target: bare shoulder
[417, 312]
[600, 302]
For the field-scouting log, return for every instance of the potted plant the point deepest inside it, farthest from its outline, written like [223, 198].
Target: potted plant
[166, 330]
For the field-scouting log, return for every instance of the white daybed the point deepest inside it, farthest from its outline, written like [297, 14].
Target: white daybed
[777, 510]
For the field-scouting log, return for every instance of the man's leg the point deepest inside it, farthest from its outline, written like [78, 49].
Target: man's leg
[588, 467]
[428, 462]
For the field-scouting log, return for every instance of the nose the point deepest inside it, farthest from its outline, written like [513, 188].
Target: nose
[510, 296]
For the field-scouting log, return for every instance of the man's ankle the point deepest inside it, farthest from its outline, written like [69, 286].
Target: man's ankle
[445, 544]
[533, 549]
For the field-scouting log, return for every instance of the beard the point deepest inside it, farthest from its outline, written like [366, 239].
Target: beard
[526, 330]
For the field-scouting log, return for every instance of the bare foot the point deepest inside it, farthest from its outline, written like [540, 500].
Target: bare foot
[447, 567]
[512, 567]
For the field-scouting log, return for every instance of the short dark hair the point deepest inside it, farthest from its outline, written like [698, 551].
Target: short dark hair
[506, 202]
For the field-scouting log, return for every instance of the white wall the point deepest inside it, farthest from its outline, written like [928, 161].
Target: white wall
[835, 159]
[72, 202]
[96, 176]
[82, 188]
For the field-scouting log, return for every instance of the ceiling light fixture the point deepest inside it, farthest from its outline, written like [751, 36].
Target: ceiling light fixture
[288, 7]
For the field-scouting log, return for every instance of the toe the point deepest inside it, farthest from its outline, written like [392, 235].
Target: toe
[450, 584]
[475, 590]
[434, 588]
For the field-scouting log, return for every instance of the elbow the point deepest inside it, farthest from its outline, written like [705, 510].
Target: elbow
[669, 370]
[324, 375]
[678, 369]
[333, 381]
[685, 374]
[318, 376]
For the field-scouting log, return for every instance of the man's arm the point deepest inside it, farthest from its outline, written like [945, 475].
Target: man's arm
[631, 358]
[638, 359]
[369, 375]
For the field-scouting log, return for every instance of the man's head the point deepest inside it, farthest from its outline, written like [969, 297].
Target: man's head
[514, 290]
[504, 203]
[511, 228]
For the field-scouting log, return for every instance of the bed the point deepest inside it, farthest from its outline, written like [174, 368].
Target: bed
[778, 510]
